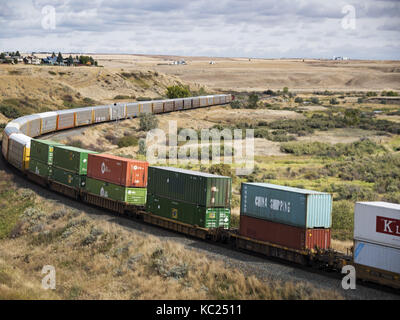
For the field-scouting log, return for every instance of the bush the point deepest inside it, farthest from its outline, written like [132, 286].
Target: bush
[342, 220]
[174, 92]
[148, 121]
[236, 104]
[334, 101]
[127, 141]
[142, 147]
[298, 100]
[221, 169]
[253, 101]
[314, 100]
[389, 93]
[10, 112]
[332, 150]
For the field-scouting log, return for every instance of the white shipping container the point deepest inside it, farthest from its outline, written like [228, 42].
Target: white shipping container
[377, 222]
[203, 101]
[132, 110]
[210, 100]
[49, 121]
[168, 105]
[195, 102]
[187, 103]
[66, 119]
[118, 112]
[158, 106]
[146, 107]
[8, 131]
[101, 113]
[178, 104]
[83, 116]
[18, 150]
[22, 122]
[34, 123]
[377, 256]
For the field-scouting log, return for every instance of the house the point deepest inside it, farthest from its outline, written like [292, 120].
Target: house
[50, 60]
[32, 60]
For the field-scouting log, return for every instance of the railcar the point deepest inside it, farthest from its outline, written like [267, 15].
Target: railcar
[16, 142]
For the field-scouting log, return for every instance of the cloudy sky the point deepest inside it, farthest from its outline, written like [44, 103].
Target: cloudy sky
[360, 29]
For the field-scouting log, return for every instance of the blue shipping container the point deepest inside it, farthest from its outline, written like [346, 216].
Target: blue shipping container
[287, 205]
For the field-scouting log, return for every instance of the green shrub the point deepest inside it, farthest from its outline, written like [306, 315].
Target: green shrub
[389, 93]
[148, 121]
[253, 101]
[236, 104]
[364, 146]
[127, 141]
[10, 112]
[174, 92]
[342, 220]
[314, 100]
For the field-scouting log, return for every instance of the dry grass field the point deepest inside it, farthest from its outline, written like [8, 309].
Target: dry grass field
[302, 144]
[242, 74]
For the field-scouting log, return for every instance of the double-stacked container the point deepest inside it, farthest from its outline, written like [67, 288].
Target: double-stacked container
[70, 166]
[291, 217]
[191, 197]
[377, 236]
[117, 178]
[41, 159]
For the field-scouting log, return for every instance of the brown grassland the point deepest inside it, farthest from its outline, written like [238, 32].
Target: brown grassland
[97, 259]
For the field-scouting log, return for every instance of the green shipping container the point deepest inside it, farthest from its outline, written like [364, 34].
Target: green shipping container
[40, 168]
[71, 159]
[68, 178]
[42, 150]
[116, 192]
[203, 189]
[188, 213]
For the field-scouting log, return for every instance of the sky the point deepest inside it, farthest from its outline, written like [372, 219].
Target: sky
[359, 29]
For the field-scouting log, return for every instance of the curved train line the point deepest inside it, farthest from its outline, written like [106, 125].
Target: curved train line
[16, 140]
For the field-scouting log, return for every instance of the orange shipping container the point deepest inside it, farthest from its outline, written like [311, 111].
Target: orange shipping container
[118, 170]
[284, 235]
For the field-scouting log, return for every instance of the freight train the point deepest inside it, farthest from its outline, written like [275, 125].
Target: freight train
[288, 223]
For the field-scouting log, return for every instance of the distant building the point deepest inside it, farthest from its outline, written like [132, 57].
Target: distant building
[50, 60]
[340, 58]
[32, 60]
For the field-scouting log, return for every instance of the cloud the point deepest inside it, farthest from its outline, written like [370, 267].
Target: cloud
[257, 28]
